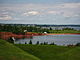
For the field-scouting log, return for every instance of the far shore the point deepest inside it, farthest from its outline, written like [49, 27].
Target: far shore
[7, 35]
[63, 34]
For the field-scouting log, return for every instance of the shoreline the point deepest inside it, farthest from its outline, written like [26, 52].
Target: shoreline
[7, 35]
[63, 34]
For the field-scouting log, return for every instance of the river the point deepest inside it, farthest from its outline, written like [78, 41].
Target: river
[57, 39]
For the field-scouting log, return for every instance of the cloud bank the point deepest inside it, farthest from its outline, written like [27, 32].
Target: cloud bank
[41, 12]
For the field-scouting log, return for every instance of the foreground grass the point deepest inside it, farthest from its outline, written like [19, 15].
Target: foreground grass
[10, 52]
[44, 52]
[51, 52]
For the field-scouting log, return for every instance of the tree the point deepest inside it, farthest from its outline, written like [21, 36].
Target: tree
[50, 28]
[45, 43]
[41, 43]
[37, 42]
[30, 42]
[78, 44]
[25, 42]
[52, 43]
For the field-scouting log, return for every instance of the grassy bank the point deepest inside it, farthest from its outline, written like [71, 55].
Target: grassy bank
[64, 31]
[10, 52]
[51, 52]
[44, 52]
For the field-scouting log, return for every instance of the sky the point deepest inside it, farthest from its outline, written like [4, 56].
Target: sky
[40, 11]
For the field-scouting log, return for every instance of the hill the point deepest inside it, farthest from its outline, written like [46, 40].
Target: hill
[52, 52]
[10, 52]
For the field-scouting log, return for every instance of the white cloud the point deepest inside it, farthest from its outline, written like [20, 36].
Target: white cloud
[64, 9]
[6, 17]
[31, 13]
[53, 12]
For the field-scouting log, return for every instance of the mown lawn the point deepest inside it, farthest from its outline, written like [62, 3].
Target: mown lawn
[52, 52]
[10, 52]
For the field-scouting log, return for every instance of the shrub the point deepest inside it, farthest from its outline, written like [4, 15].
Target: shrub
[10, 40]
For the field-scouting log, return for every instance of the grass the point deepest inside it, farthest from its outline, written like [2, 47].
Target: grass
[10, 52]
[64, 31]
[52, 52]
[44, 52]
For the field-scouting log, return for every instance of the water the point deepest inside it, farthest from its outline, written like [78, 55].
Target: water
[57, 39]
[60, 28]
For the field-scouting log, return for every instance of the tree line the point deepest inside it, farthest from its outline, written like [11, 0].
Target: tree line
[19, 29]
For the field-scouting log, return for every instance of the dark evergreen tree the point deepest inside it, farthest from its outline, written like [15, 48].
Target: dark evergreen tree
[45, 43]
[52, 43]
[30, 42]
[41, 43]
[25, 42]
[37, 42]
[78, 44]
[50, 28]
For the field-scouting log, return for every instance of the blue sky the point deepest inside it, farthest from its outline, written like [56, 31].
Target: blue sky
[40, 11]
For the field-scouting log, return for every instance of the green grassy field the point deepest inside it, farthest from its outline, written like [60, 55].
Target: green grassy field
[52, 52]
[10, 52]
[64, 31]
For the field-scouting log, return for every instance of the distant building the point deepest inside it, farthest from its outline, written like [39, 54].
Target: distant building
[45, 32]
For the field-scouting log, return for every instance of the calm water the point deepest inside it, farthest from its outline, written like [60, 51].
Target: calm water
[60, 28]
[57, 39]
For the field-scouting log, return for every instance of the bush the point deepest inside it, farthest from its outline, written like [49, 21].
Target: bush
[10, 40]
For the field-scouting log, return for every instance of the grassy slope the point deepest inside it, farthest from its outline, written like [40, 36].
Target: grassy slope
[49, 52]
[10, 52]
